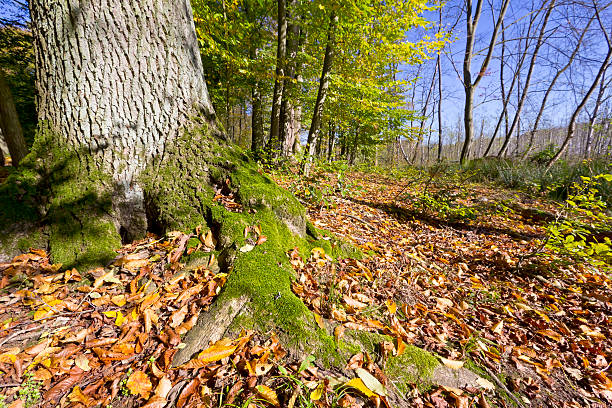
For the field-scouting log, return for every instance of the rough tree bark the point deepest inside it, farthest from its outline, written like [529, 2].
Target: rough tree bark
[315, 125]
[10, 126]
[290, 114]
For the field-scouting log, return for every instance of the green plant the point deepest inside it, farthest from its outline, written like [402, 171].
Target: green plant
[578, 231]
[29, 390]
[443, 205]
[123, 389]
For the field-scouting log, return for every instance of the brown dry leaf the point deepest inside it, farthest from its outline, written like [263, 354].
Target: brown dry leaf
[139, 384]
[62, 387]
[178, 317]
[551, 334]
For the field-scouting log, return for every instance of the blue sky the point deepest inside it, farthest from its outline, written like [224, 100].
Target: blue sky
[488, 104]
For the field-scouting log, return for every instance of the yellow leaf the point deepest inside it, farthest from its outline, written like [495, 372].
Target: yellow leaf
[268, 394]
[498, 327]
[318, 392]
[360, 386]
[318, 253]
[42, 313]
[319, 320]
[117, 315]
[139, 384]
[391, 306]
[9, 356]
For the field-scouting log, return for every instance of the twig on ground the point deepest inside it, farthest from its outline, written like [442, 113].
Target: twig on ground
[503, 386]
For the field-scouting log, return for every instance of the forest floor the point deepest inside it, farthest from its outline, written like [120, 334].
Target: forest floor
[467, 280]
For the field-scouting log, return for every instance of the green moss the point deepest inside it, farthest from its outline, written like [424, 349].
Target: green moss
[414, 366]
[368, 341]
[56, 193]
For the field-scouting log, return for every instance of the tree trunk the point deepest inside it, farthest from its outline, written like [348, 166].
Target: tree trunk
[315, 125]
[593, 117]
[279, 78]
[287, 113]
[532, 63]
[439, 65]
[469, 86]
[9, 125]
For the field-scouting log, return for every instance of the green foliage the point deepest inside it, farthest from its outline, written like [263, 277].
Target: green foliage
[17, 64]
[444, 206]
[545, 155]
[29, 390]
[580, 231]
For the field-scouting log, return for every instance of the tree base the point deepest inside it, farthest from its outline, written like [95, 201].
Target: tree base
[57, 201]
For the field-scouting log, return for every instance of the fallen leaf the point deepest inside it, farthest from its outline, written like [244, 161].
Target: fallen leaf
[218, 351]
[371, 382]
[268, 394]
[358, 384]
[139, 384]
[454, 364]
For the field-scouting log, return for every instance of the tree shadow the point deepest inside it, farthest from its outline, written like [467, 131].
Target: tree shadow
[52, 201]
[405, 215]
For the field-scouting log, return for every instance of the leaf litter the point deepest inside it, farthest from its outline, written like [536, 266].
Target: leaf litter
[107, 336]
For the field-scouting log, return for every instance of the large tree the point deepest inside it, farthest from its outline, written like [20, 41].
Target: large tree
[127, 143]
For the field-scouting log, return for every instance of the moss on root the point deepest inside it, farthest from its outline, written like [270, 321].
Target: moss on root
[54, 201]
[414, 366]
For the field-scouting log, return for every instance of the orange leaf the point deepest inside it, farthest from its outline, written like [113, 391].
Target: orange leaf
[139, 384]
[218, 351]
[391, 306]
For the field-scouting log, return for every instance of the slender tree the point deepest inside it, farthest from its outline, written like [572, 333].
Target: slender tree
[279, 77]
[525, 90]
[472, 18]
[315, 124]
